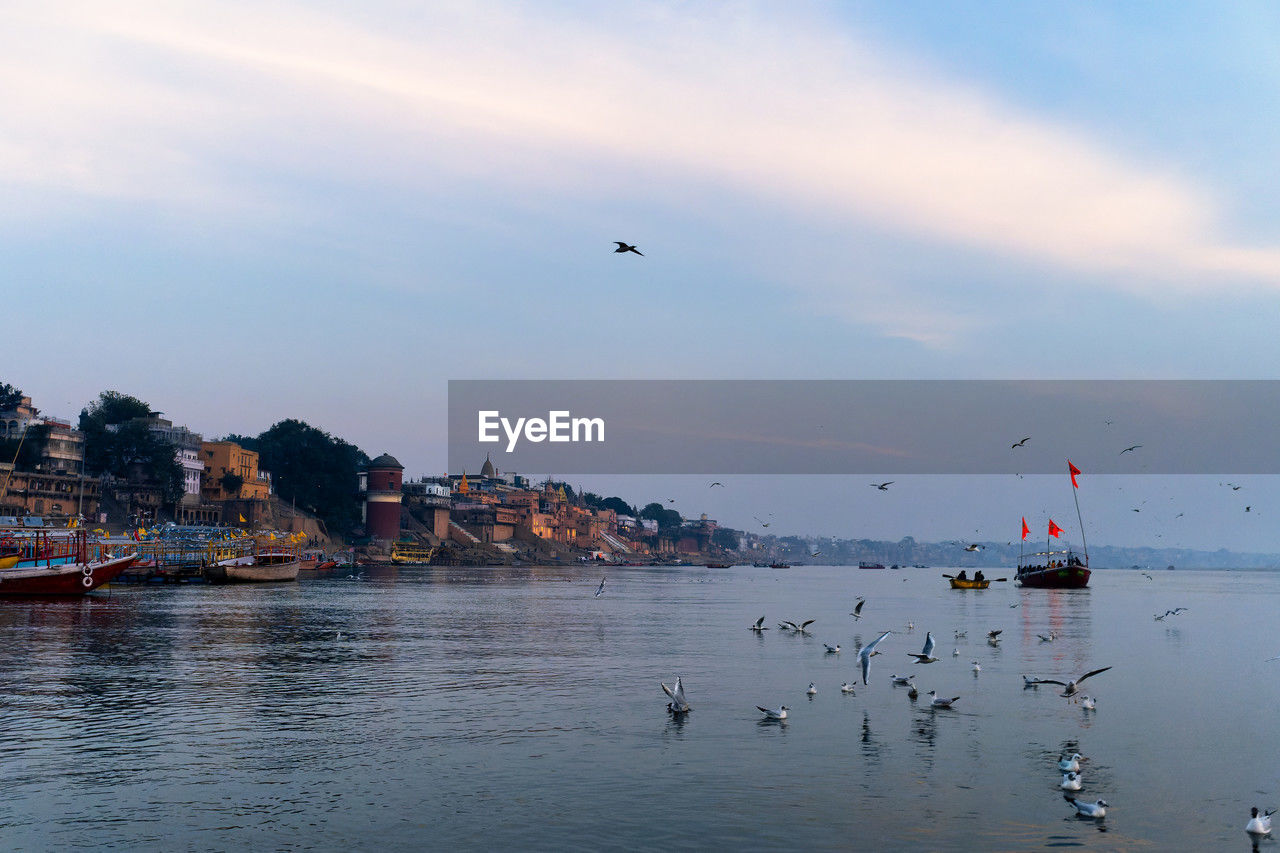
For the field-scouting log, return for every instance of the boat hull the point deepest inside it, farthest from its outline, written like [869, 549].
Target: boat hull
[67, 579]
[969, 584]
[254, 572]
[1062, 577]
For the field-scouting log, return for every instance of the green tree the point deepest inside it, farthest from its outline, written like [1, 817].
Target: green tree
[666, 518]
[619, 506]
[231, 483]
[25, 450]
[103, 448]
[10, 397]
[313, 470]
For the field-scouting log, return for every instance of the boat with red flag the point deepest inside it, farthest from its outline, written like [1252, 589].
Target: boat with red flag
[1061, 569]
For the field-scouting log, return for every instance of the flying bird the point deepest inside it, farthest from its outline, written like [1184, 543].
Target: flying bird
[1174, 612]
[857, 608]
[816, 554]
[717, 483]
[1127, 449]
[995, 635]
[974, 547]
[1020, 443]
[865, 653]
[792, 626]
[884, 487]
[1073, 687]
[623, 247]
[759, 626]
[1094, 810]
[926, 656]
[600, 589]
[678, 704]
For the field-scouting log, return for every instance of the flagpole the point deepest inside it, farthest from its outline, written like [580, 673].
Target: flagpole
[1075, 493]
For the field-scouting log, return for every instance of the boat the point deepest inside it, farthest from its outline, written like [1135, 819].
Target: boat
[779, 565]
[719, 565]
[266, 567]
[411, 553]
[969, 583]
[1053, 570]
[65, 578]
[871, 565]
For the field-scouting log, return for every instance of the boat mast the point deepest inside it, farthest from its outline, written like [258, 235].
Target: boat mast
[1075, 493]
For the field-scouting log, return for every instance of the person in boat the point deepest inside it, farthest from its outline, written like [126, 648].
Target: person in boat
[977, 576]
[962, 576]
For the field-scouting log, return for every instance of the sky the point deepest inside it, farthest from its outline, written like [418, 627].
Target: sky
[244, 212]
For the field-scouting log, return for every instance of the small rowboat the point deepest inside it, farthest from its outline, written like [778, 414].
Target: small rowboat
[956, 583]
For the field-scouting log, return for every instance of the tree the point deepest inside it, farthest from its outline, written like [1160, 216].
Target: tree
[25, 450]
[313, 470]
[231, 483]
[666, 518]
[102, 446]
[10, 397]
[619, 506]
[726, 538]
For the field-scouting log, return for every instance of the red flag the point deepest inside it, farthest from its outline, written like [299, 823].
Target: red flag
[1025, 529]
[1074, 470]
[1054, 530]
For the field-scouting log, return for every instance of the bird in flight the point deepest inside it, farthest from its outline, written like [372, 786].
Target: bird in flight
[600, 590]
[716, 483]
[1073, 687]
[857, 608]
[926, 656]
[974, 547]
[1020, 443]
[884, 487]
[623, 247]
[1174, 612]
[1131, 447]
[763, 523]
[865, 653]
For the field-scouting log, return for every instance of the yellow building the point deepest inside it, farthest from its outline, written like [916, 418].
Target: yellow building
[226, 457]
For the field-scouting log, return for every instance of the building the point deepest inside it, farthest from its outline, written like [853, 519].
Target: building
[192, 508]
[223, 458]
[46, 493]
[14, 421]
[381, 485]
[428, 500]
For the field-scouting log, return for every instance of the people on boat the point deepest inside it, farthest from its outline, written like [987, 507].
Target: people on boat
[977, 576]
[962, 576]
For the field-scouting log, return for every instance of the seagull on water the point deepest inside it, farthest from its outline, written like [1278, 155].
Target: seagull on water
[1071, 781]
[995, 635]
[960, 634]
[1028, 681]
[678, 704]
[1088, 703]
[1259, 824]
[1070, 764]
[940, 703]
[977, 667]
[912, 693]
[623, 247]
[884, 487]
[955, 653]
[832, 650]
[813, 689]
[865, 653]
[1047, 639]
[1070, 688]
[904, 680]
[846, 688]
[926, 656]
[771, 714]
[1094, 810]
[799, 629]
[600, 589]
[759, 626]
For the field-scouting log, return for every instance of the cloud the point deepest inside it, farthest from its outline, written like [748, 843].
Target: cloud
[197, 105]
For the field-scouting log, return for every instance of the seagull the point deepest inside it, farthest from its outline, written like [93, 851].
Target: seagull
[832, 650]
[623, 247]
[995, 635]
[1028, 681]
[1073, 687]
[912, 693]
[926, 656]
[884, 487]
[1259, 824]
[600, 590]
[816, 554]
[955, 653]
[759, 626]
[1070, 765]
[977, 667]
[770, 714]
[1049, 639]
[857, 608]
[846, 688]
[1094, 810]
[799, 629]
[1071, 781]
[940, 703]
[1015, 604]
[813, 689]
[1088, 703]
[716, 483]
[1127, 449]
[865, 653]
[974, 547]
[1174, 612]
[678, 704]
[904, 680]
[1020, 443]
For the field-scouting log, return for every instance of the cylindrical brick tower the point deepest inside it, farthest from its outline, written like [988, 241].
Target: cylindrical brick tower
[382, 497]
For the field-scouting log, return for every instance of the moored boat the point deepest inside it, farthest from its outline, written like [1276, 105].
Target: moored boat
[267, 567]
[719, 565]
[75, 578]
[779, 565]
[871, 565]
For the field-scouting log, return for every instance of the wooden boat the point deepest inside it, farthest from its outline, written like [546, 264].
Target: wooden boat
[969, 583]
[411, 553]
[871, 565]
[779, 565]
[75, 578]
[267, 567]
[1053, 570]
[719, 565]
